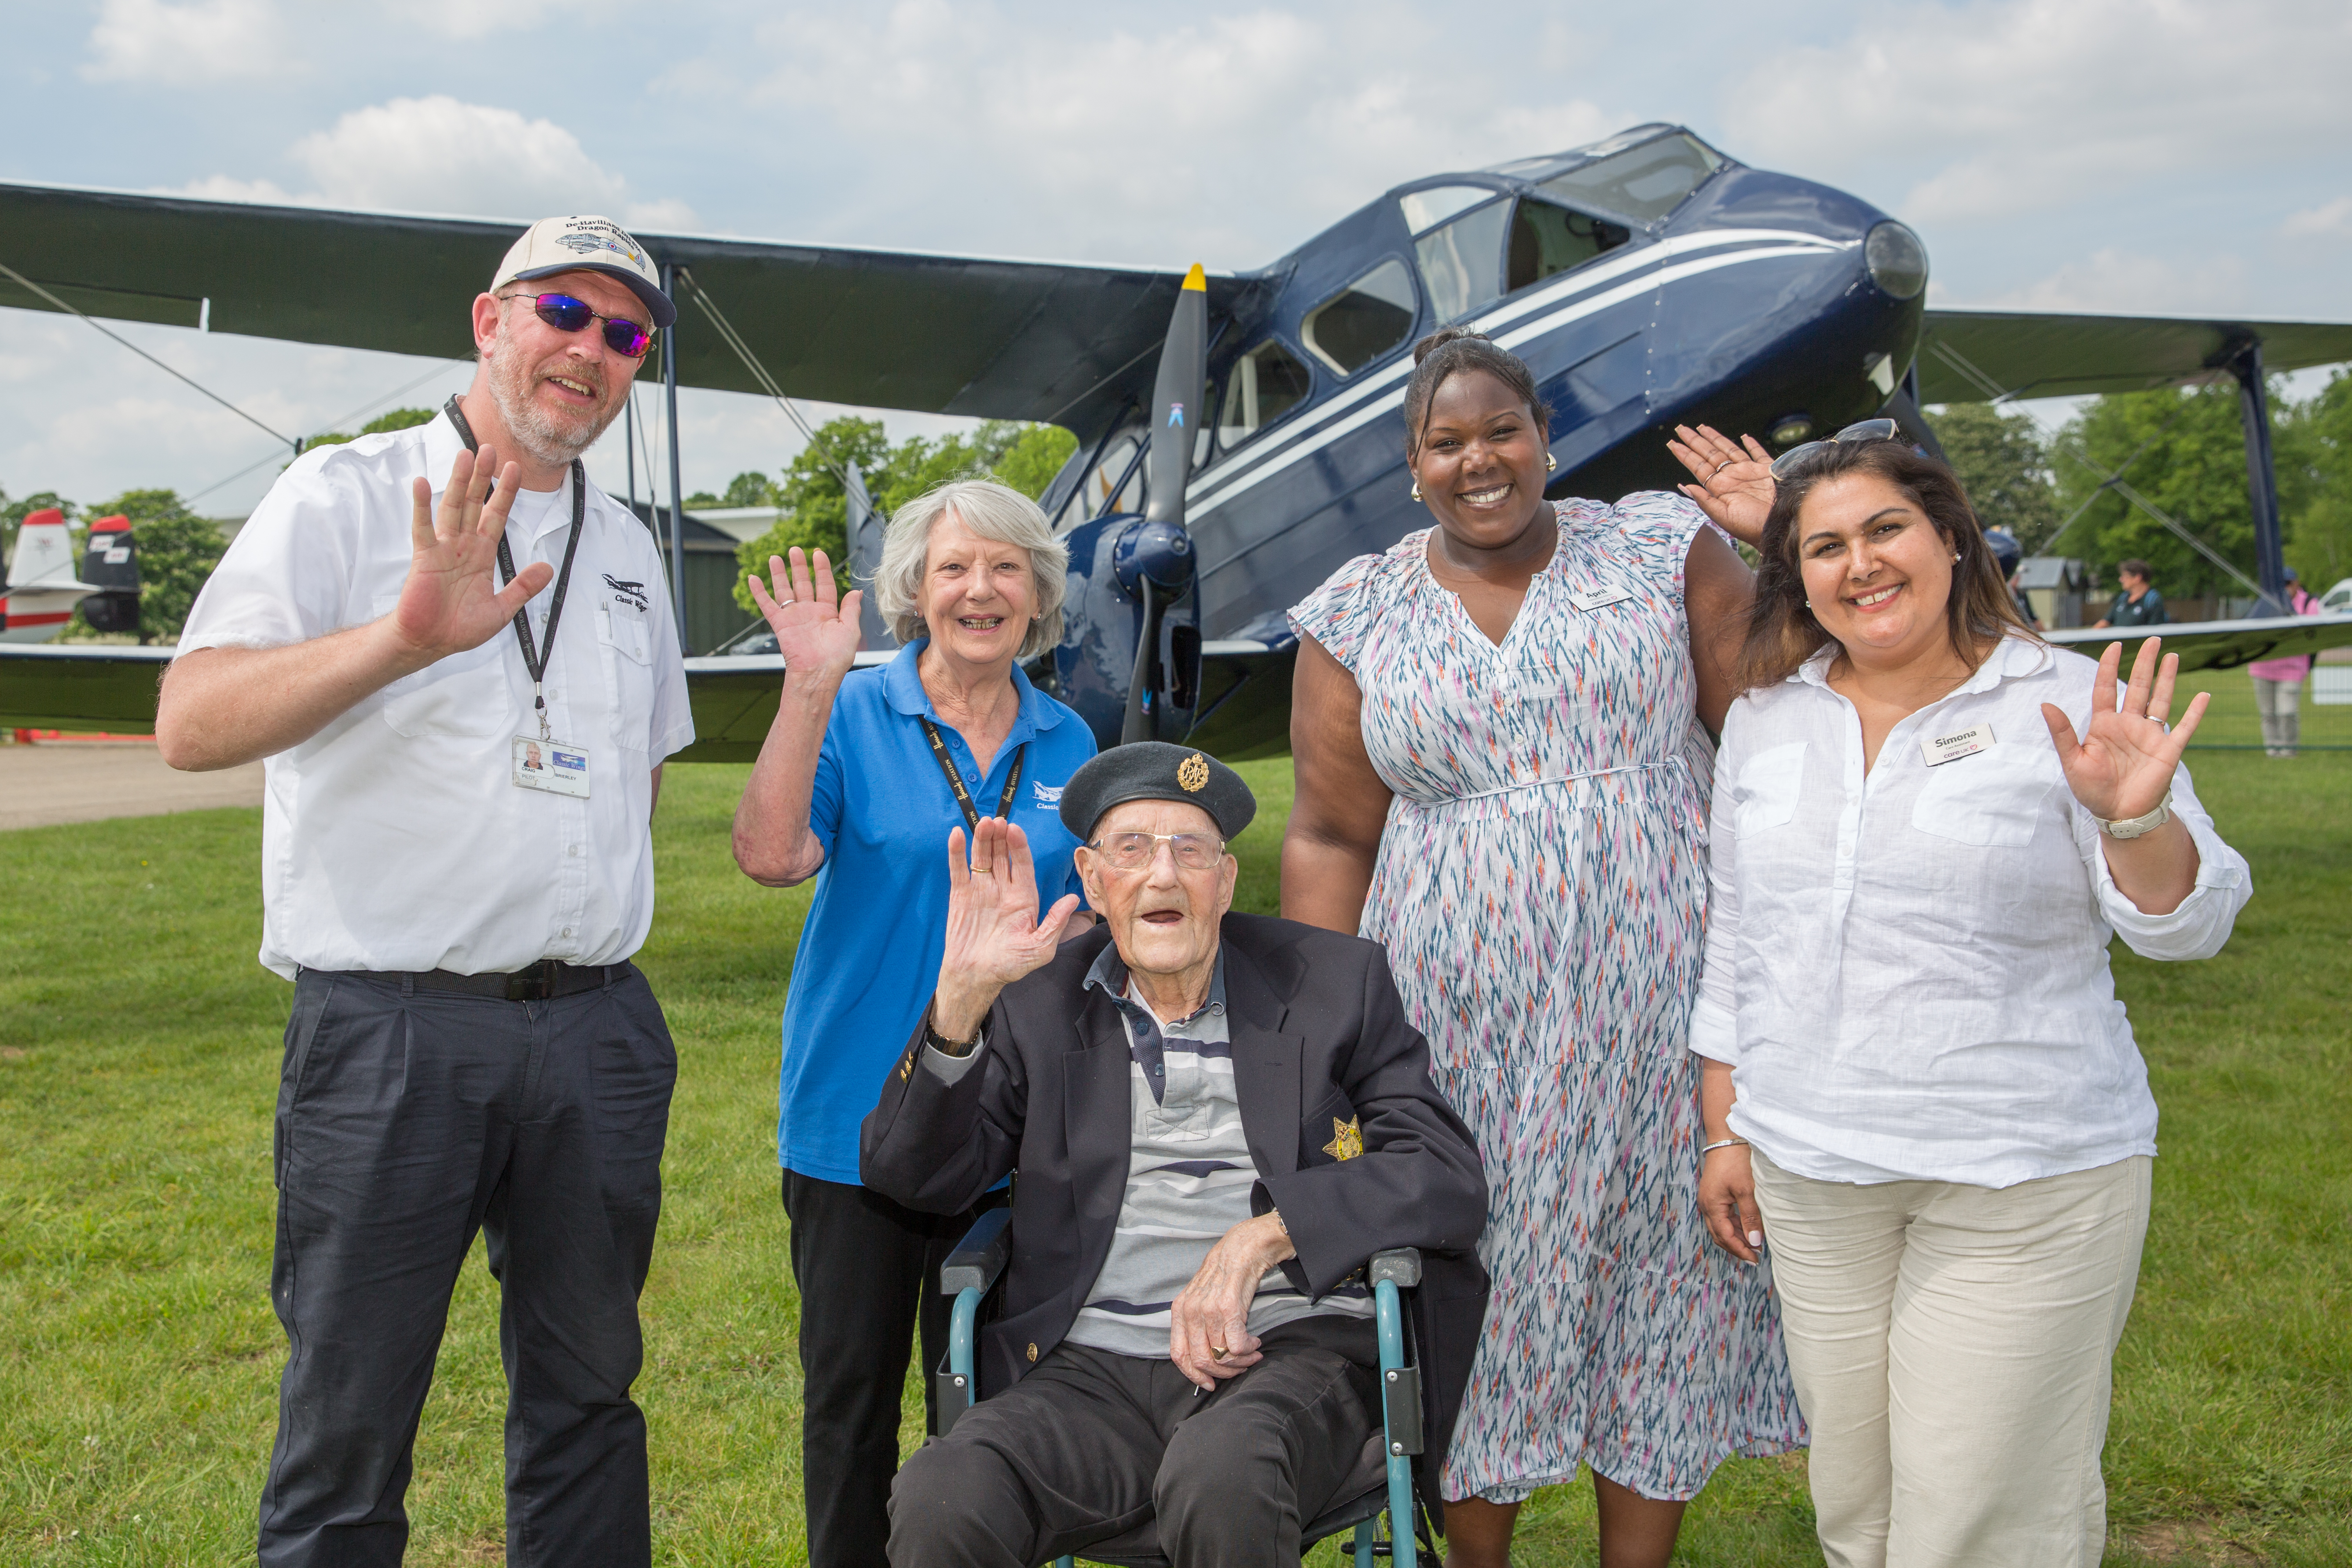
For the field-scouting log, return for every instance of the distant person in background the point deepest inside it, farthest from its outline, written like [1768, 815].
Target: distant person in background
[2278, 683]
[2138, 603]
[1928, 1109]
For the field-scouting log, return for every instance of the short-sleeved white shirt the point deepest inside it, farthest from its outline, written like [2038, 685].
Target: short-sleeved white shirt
[394, 838]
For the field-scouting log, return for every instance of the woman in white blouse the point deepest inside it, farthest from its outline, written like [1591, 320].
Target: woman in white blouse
[1918, 1083]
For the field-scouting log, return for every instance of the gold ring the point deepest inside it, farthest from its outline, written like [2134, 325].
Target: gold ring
[1218, 1353]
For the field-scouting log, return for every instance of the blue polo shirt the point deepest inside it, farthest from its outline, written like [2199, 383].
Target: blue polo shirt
[869, 950]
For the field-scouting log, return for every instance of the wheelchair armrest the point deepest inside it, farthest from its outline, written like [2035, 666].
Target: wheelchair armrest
[980, 1257]
[1399, 1265]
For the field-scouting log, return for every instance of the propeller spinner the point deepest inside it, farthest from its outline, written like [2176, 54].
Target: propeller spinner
[1162, 552]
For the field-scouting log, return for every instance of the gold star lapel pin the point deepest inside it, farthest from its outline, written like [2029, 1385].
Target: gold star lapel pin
[1346, 1139]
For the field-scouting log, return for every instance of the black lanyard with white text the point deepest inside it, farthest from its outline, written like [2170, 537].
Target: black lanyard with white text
[535, 659]
[955, 779]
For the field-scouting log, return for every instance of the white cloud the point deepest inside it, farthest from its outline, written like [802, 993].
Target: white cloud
[1999, 106]
[1227, 139]
[2327, 219]
[2115, 282]
[436, 154]
[480, 18]
[212, 40]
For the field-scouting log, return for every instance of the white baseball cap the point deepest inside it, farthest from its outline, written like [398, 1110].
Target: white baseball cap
[585, 243]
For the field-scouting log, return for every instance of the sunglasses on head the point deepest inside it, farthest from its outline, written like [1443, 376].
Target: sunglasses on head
[1791, 463]
[566, 314]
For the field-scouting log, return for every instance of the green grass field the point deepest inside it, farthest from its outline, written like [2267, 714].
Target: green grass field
[139, 1058]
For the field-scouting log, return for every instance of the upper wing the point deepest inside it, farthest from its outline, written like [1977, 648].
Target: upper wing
[1969, 356]
[1049, 340]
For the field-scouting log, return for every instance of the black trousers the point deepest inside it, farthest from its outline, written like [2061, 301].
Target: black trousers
[1093, 1449]
[406, 1120]
[868, 1270]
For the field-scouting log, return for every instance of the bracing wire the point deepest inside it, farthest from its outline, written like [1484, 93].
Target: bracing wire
[35, 288]
[768, 384]
[368, 408]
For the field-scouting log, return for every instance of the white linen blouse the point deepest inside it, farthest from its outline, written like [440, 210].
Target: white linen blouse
[1907, 969]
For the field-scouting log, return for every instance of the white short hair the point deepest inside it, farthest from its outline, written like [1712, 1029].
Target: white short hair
[992, 512]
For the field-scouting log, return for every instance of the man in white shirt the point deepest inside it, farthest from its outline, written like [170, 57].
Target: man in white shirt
[456, 866]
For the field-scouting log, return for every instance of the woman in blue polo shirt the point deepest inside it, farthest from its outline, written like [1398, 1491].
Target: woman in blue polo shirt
[863, 775]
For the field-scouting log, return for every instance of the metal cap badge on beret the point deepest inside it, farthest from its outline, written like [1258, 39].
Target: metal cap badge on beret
[1154, 770]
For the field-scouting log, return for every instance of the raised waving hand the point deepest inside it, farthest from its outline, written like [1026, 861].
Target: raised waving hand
[817, 635]
[1735, 486]
[994, 936]
[2123, 762]
[451, 601]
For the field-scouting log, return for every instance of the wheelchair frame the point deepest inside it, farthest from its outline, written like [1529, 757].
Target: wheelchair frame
[978, 1263]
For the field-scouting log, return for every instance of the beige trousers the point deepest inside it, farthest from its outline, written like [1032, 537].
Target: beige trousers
[1952, 1349]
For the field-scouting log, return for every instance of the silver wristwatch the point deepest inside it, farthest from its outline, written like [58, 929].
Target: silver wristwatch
[2133, 826]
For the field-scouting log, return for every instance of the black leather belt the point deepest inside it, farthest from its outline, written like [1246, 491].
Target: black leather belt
[541, 982]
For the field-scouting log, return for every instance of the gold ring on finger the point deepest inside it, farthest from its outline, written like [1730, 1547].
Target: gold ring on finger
[1218, 1353]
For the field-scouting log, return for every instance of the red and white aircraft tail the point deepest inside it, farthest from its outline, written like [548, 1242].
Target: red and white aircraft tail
[42, 588]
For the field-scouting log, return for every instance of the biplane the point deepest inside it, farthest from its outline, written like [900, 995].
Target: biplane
[1240, 437]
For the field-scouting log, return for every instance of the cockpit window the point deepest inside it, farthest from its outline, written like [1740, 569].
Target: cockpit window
[1364, 321]
[1644, 183]
[1425, 209]
[1463, 262]
[1265, 383]
[1546, 240]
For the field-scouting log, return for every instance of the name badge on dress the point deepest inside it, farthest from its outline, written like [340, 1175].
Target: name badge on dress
[1951, 748]
[555, 766]
[1588, 599]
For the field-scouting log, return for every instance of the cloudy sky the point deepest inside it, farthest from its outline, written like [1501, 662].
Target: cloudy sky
[2095, 154]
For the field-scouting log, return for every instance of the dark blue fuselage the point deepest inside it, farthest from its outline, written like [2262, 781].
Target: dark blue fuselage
[1750, 305]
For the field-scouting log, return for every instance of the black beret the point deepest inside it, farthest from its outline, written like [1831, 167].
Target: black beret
[1154, 770]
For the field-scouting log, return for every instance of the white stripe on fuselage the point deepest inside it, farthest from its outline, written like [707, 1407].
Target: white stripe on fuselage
[1325, 435]
[1582, 281]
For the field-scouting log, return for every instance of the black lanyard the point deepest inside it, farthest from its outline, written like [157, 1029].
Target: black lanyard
[955, 779]
[534, 659]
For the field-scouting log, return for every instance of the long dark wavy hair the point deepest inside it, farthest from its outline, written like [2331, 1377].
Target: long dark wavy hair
[1450, 352]
[1782, 633]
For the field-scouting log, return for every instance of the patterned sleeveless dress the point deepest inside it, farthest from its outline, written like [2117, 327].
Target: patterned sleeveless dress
[1541, 890]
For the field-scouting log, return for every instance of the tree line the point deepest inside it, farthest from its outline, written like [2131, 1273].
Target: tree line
[2182, 450]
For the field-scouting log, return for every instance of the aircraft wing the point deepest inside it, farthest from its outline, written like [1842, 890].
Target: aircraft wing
[1972, 356]
[1059, 342]
[113, 687]
[2220, 644]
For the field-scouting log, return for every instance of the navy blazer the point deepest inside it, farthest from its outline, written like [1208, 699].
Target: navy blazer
[1319, 1037]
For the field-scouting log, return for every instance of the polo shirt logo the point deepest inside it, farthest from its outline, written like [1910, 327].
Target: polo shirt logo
[1048, 795]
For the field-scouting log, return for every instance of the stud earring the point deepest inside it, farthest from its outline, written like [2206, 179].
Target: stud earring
[1956, 556]
[1550, 462]
[1416, 489]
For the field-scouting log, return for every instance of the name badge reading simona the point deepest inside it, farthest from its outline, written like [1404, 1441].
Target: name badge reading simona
[1951, 748]
[550, 766]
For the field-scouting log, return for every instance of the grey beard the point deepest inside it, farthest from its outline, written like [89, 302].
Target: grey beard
[530, 426]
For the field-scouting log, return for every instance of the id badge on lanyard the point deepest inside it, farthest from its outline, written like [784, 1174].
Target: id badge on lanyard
[541, 762]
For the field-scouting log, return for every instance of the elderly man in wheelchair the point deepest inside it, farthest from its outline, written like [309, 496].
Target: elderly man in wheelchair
[1217, 1122]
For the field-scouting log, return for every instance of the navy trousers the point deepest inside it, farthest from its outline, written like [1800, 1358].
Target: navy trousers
[407, 1120]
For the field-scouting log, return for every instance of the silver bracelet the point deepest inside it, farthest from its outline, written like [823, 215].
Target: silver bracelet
[1724, 1143]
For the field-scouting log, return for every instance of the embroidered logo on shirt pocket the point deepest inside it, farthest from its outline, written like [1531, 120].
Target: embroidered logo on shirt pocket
[1993, 800]
[1765, 793]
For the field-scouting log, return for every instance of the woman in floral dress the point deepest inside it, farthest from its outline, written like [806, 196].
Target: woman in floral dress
[1499, 778]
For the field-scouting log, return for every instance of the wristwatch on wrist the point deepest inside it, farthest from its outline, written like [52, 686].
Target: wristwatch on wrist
[2133, 826]
[945, 1047]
